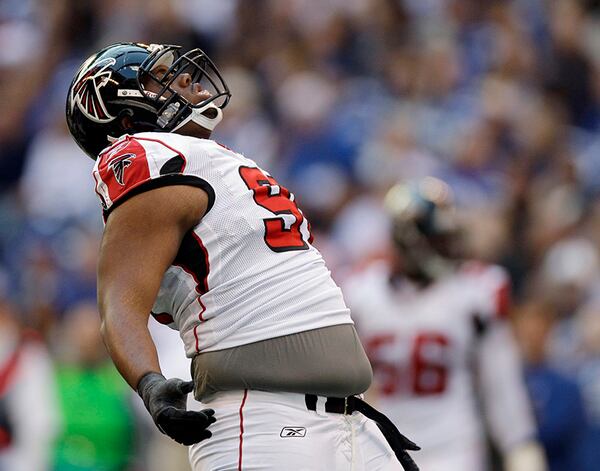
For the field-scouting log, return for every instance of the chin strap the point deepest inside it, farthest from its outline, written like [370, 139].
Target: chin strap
[199, 116]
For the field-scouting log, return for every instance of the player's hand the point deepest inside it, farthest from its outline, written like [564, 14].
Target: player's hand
[166, 400]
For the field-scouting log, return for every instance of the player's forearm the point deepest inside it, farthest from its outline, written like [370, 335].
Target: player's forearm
[130, 346]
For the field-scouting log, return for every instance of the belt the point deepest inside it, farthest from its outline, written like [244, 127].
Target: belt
[336, 405]
[350, 404]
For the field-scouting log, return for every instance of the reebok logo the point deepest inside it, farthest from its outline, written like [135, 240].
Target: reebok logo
[288, 432]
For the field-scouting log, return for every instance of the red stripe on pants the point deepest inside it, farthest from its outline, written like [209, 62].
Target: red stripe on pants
[242, 429]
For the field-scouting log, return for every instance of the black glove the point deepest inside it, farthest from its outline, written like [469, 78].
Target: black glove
[166, 400]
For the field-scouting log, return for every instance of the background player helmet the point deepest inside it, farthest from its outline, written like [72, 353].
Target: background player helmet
[110, 85]
[424, 227]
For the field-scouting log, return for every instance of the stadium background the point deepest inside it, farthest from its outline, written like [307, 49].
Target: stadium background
[339, 99]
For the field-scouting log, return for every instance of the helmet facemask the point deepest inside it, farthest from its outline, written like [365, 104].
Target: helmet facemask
[173, 110]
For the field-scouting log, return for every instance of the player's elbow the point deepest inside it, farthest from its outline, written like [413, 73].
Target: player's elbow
[106, 322]
[107, 309]
[110, 335]
[104, 331]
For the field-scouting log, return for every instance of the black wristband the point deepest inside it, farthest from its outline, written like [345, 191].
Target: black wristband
[146, 380]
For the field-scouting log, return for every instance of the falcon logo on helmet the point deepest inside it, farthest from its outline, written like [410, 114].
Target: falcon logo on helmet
[85, 93]
[119, 165]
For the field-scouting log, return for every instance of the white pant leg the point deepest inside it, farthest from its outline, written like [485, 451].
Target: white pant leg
[257, 430]
[372, 451]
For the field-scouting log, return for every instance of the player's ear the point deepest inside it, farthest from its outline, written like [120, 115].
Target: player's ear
[126, 122]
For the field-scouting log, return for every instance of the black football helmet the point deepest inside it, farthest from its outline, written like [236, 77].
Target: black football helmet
[425, 228]
[110, 85]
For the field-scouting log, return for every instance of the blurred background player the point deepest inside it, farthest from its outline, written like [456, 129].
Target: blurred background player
[436, 332]
[28, 415]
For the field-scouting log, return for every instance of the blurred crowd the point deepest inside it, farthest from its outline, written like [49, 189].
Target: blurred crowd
[339, 99]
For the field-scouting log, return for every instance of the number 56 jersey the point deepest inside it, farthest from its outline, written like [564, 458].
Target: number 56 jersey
[438, 354]
[247, 272]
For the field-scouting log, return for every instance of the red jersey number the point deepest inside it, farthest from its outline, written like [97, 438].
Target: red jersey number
[389, 375]
[425, 374]
[282, 233]
[430, 374]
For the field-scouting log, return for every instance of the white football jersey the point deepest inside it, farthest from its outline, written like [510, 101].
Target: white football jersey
[247, 271]
[424, 344]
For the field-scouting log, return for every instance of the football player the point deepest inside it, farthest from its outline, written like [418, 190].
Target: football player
[215, 247]
[435, 329]
[29, 418]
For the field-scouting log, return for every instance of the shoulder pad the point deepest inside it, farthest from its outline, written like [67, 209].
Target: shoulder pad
[492, 287]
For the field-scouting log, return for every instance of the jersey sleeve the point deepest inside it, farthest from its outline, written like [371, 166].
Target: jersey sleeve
[490, 290]
[134, 164]
[506, 403]
[499, 369]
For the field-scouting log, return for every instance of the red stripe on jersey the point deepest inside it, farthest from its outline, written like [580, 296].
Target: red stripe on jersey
[200, 314]
[5, 439]
[225, 147]
[9, 368]
[201, 318]
[196, 337]
[503, 300]
[241, 429]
